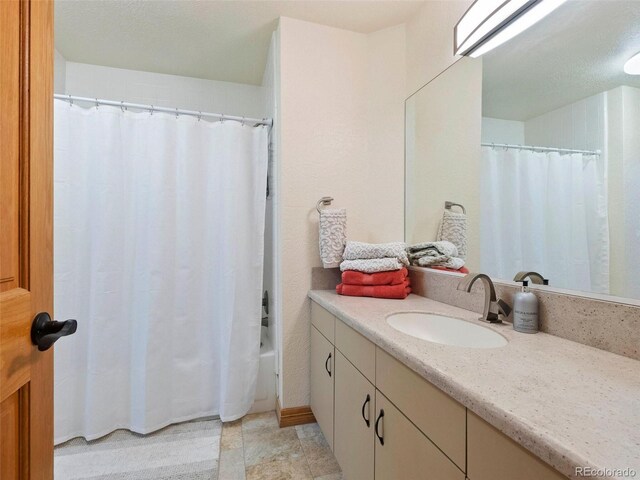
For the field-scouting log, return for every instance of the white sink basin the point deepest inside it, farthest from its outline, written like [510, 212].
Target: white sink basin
[445, 330]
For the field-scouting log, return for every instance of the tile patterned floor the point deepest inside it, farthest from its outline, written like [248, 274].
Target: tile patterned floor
[255, 448]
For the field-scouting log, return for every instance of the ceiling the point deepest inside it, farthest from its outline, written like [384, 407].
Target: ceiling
[577, 51]
[211, 39]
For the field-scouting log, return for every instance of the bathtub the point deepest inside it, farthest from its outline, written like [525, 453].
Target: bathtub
[265, 399]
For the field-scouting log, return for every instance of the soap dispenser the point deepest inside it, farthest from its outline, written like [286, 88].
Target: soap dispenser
[525, 310]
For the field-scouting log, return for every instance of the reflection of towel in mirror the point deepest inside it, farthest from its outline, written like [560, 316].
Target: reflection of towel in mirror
[428, 254]
[453, 228]
[361, 251]
[333, 236]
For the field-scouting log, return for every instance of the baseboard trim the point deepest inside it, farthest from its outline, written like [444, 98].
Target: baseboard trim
[288, 417]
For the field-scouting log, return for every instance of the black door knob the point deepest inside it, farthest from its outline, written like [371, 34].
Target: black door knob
[45, 332]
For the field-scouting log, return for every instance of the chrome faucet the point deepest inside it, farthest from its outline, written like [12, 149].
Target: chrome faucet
[535, 277]
[493, 306]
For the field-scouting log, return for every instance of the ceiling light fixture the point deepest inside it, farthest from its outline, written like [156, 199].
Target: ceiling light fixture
[632, 66]
[490, 23]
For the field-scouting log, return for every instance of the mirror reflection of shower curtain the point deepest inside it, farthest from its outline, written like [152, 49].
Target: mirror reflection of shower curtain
[159, 226]
[545, 212]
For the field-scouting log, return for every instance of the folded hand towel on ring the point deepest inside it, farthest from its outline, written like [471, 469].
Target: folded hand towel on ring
[332, 236]
[361, 251]
[372, 265]
[453, 228]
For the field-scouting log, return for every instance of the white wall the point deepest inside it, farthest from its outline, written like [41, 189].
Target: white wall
[497, 130]
[580, 125]
[341, 117]
[59, 73]
[631, 159]
[430, 40]
[623, 122]
[270, 275]
[135, 86]
[386, 84]
[444, 164]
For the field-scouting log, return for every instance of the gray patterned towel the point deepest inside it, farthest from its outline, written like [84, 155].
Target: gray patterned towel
[428, 254]
[363, 251]
[332, 236]
[453, 228]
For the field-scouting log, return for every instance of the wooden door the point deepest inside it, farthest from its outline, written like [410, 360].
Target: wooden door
[26, 273]
[403, 452]
[354, 416]
[322, 361]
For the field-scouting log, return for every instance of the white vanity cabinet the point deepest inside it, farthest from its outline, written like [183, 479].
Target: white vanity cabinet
[322, 374]
[385, 422]
[344, 368]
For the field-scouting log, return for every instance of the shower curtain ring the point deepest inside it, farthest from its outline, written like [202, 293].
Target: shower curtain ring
[122, 106]
[177, 114]
[222, 118]
[97, 104]
[199, 116]
[243, 121]
[152, 108]
[70, 101]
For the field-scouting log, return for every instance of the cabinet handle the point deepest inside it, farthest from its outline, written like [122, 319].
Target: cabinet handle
[326, 365]
[366, 402]
[380, 437]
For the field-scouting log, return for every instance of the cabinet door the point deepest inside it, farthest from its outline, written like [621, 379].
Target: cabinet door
[354, 416]
[494, 456]
[402, 452]
[322, 366]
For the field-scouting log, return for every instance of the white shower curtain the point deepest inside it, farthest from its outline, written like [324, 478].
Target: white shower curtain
[158, 227]
[545, 212]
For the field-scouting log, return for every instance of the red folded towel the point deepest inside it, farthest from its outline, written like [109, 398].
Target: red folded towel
[460, 270]
[395, 277]
[378, 291]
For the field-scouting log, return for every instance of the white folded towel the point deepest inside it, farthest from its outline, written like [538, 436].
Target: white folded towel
[362, 251]
[453, 228]
[332, 236]
[372, 265]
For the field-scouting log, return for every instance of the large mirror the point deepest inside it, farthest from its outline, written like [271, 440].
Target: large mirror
[539, 142]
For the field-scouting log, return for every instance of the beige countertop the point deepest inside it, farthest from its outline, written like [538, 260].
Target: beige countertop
[570, 404]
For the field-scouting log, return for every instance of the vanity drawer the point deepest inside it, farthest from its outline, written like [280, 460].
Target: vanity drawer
[437, 415]
[492, 455]
[357, 349]
[323, 321]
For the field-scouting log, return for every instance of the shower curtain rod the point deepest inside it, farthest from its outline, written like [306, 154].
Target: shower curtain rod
[541, 149]
[254, 122]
